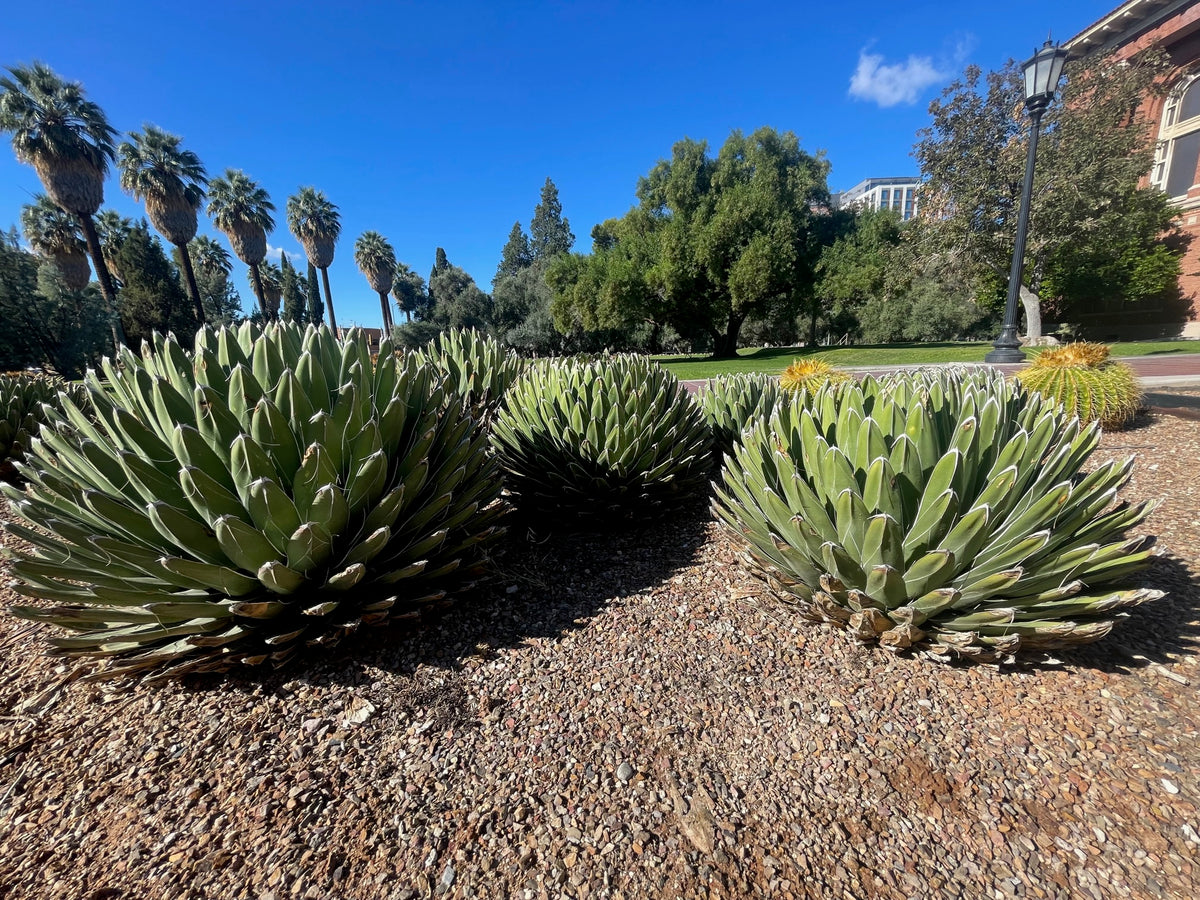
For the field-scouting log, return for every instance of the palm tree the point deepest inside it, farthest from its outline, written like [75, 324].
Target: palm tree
[68, 141]
[376, 259]
[55, 234]
[272, 284]
[242, 209]
[112, 228]
[316, 224]
[209, 256]
[171, 180]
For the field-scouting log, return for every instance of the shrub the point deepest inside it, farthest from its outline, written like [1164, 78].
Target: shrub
[731, 402]
[810, 374]
[1086, 382]
[22, 411]
[618, 436]
[266, 494]
[944, 511]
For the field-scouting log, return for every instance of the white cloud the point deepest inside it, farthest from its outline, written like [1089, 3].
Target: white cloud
[890, 84]
[895, 83]
[274, 253]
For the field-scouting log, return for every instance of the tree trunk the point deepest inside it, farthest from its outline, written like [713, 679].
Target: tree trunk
[329, 300]
[105, 279]
[725, 346]
[1033, 314]
[387, 314]
[815, 311]
[193, 291]
[256, 280]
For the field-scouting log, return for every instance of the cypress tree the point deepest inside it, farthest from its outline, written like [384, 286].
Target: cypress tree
[293, 298]
[316, 306]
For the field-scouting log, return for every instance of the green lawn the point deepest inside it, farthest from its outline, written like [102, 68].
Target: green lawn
[774, 360]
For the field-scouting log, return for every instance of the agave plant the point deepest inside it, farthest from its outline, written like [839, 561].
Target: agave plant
[476, 365]
[267, 493]
[810, 374]
[1086, 382]
[732, 402]
[947, 512]
[614, 437]
[23, 402]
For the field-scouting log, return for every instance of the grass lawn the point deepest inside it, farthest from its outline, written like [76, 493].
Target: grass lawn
[775, 359]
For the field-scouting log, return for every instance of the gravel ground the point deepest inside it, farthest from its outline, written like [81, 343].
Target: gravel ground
[629, 719]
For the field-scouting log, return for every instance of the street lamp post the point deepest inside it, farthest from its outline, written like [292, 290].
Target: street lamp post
[1042, 73]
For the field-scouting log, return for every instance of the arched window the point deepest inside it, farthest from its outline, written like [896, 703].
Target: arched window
[1178, 151]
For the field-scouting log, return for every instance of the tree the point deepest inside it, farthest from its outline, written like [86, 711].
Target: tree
[171, 181]
[68, 141]
[440, 263]
[153, 298]
[316, 224]
[516, 254]
[55, 234]
[315, 310]
[376, 259]
[549, 233]
[242, 210]
[857, 268]
[292, 291]
[713, 241]
[272, 285]
[408, 288]
[222, 303]
[18, 283]
[1094, 149]
[112, 228]
[457, 300]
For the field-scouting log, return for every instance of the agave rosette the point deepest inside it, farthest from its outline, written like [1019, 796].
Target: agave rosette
[943, 511]
[732, 402]
[267, 493]
[476, 366]
[23, 400]
[618, 436]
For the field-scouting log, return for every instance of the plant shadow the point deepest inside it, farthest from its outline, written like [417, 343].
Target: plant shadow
[543, 584]
[1157, 632]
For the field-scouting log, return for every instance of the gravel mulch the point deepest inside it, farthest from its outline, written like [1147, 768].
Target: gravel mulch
[629, 718]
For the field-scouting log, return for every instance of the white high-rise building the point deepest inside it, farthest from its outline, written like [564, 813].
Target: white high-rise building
[898, 193]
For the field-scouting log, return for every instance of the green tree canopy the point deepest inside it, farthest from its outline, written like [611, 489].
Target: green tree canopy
[153, 299]
[1087, 204]
[408, 289]
[516, 254]
[714, 240]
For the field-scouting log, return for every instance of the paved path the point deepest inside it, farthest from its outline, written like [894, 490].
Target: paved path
[1160, 374]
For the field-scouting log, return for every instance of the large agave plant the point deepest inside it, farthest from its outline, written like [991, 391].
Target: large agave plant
[23, 400]
[944, 511]
[732, 402]
[476, 366]
[268, 493]
[614, 437]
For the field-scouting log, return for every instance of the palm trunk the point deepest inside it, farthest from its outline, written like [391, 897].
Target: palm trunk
[193, 291]
[259, 292]
[387, 313]
[329, 300]
[105, 279]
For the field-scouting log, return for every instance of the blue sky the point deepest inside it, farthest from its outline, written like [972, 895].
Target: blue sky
[437, 123]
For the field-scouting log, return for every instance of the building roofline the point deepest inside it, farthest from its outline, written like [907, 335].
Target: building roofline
[1123, 24]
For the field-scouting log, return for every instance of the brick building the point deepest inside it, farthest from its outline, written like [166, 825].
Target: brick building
[1174, 27]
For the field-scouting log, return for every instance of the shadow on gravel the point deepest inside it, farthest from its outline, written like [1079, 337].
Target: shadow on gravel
[1155, 632]
[544, 586]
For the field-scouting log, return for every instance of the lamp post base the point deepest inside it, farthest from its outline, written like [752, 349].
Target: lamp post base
[1006, 354]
